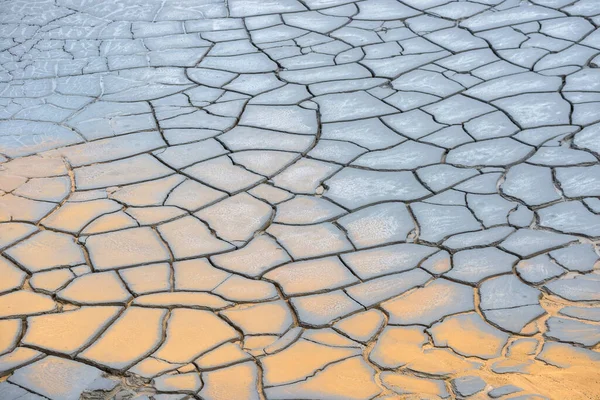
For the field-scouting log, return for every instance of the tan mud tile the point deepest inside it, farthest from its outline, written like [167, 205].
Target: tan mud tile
[566, 355]
[192, 195]
[126, 248]
[427, 305]
[306, 210]
[322, 309]
[469, 335]
[284, 341]
[68, 332]
[88, 195]
[505, 366]
[259, 255]
[228, 353]
[96, 288]
[80, 270]
[9, 182]
[239, 289]
[237, 382]
[262, 318]
[182, 299]
[11, 232]
[135, 334]
[51, 281]
[350, 379]
[73, 217]
[257, 345]
[147, 278]
[197, 275]
[12, 276]
[18, 357]
[299, 277]
[154, 215]
[10, 331]
[300, 360]
[36, 167]
[191, 333]
[188, 237]
[185, 383]
[150, 367]
[189, 367]
[398, 345]
[23, 302]
[362, 326]
[46, 189]
[152, 193]
[441, 362]
[521, 348]
[46, 250]
[438, 263]
[15, 208]
[385, 287]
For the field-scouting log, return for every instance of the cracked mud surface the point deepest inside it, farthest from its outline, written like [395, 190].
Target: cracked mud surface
[299, 199]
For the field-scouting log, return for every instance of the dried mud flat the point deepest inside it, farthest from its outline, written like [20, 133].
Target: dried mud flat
[299, 199]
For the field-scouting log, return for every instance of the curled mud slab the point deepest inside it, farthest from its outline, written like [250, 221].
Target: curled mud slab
[299, 199]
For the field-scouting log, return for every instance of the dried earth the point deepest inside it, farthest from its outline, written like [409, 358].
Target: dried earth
[299, 199]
